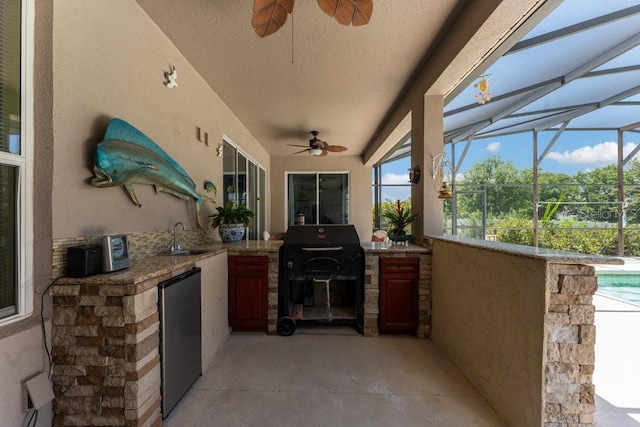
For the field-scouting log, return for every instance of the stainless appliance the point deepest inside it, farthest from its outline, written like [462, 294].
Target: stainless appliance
[115, 253]
[321, 277]
[180, 337]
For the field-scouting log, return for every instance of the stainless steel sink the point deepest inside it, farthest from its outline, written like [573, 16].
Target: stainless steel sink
[184, 252]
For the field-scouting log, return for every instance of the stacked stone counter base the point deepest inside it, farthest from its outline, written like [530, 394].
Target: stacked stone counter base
[571, 337]
[106, 363]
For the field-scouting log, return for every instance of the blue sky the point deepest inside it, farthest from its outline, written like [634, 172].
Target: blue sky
[574, 151]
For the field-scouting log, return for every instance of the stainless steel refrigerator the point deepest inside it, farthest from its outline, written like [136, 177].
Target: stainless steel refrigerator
[180, 337]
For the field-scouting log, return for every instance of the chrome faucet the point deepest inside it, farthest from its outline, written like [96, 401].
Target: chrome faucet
[176, 246]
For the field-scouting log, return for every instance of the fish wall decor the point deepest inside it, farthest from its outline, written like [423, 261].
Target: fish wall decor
[126, 156]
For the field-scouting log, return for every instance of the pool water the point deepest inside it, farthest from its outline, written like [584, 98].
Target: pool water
[625, 287]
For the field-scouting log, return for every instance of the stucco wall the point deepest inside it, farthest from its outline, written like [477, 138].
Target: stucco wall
[109, 60]
[488, 317]
[21, 350]
[359, 187]
[21, 356]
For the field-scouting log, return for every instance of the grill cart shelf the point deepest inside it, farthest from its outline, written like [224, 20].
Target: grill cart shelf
[321, 280]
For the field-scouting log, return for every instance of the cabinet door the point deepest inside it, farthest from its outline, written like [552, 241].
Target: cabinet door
[398, 295]
[248, 293]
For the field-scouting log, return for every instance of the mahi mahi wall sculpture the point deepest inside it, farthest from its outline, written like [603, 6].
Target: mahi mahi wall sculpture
[126, 156]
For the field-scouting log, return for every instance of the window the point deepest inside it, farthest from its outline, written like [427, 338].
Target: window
[391, 180]
[16, 177]
[244, 182]
[323, 198]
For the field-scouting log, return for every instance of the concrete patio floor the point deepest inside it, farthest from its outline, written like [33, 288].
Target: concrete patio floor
[338, 379]
[333, 376]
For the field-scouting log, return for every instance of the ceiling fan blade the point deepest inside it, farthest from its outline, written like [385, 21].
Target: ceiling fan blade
[324, 152]
[301, 151]
[346, 12]
[270, 15]
[336, 148]
[295, 145]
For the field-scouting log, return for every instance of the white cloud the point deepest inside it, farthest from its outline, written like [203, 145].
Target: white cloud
[492, 147]
[605, 153]
[393, 178]
[396, 193]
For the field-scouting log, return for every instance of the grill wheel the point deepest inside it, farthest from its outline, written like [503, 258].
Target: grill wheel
[286, 326]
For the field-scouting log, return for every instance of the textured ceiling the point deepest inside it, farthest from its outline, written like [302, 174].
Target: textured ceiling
[313, 74]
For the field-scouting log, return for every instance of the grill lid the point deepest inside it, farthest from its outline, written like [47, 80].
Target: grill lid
[322, 236]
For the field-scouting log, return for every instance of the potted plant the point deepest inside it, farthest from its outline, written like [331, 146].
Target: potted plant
[399, 218]
[231, 220]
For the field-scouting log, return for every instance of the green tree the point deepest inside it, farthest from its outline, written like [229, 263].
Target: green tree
[502, 181]
[599, 187]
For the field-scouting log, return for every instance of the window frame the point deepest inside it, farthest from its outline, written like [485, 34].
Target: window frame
[25, 164]
[317, 174]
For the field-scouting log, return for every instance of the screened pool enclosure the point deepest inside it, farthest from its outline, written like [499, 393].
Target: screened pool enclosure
[541, 142]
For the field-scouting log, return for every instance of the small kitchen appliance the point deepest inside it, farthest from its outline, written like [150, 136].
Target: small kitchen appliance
[115, 253]
[84, 260]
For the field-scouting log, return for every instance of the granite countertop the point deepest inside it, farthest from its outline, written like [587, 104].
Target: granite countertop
[163, 267]
[141, 270]
[550, 255]
[381, 248]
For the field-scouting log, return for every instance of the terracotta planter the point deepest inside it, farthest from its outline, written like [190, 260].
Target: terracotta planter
[231, 232]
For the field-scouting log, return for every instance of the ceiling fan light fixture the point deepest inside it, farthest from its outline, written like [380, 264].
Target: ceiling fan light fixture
[315, 151]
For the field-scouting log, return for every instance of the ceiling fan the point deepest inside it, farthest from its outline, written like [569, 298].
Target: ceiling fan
[270, 15]
[317, 147]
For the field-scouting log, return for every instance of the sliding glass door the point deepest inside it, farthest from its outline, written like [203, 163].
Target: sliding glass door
[322, 198]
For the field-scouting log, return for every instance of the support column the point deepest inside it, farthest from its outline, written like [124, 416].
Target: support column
[427, 129]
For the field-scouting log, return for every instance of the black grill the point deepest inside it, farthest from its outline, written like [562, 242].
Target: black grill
[325, 256]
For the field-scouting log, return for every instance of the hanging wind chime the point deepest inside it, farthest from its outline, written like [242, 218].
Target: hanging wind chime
[483, 96]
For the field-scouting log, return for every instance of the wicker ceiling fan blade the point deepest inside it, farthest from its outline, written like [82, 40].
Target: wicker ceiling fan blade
[324, 153]
[296, 145]
[336, 148]
[301, 151]
[270, 15]
[348, 12]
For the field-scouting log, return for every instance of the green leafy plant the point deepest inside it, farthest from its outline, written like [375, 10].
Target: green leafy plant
[231, 213]
[550, 210]
[399, 217]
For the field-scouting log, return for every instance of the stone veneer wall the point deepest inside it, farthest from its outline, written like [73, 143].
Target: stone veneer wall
[106, 362]
[141, 245]
[571, 336]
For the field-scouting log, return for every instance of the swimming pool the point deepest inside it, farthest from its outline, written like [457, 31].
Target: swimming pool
[624, 286]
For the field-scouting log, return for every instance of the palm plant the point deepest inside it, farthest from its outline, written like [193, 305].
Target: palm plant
[231, 213]
[399, 218]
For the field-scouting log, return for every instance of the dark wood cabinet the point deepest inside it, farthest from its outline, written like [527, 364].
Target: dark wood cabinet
[398, 295]
[248, 293]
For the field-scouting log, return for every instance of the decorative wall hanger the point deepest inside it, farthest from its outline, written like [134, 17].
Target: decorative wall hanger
[414, 174]
[440, 169]
[270, 15]
[171, 77]
[126, 156]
